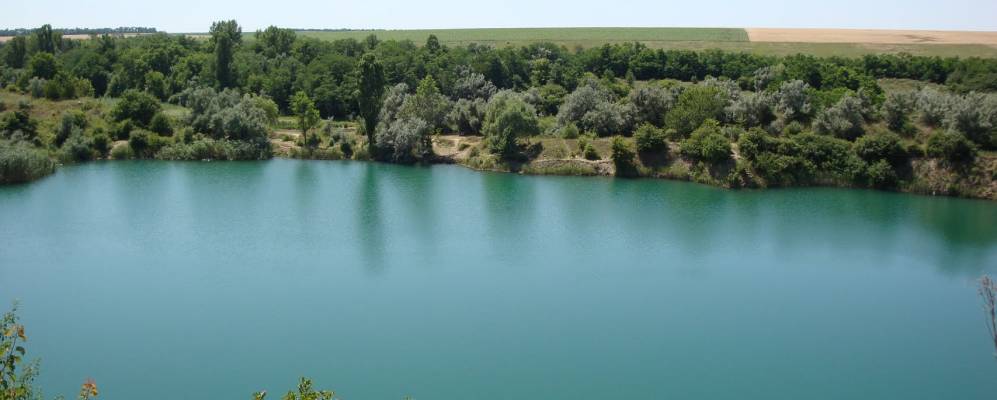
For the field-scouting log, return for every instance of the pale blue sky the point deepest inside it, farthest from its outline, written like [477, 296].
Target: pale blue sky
[196, 15]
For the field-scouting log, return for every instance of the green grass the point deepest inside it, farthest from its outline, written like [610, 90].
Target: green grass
[730, 39]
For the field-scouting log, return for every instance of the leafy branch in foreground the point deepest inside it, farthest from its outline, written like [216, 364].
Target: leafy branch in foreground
[305, 392]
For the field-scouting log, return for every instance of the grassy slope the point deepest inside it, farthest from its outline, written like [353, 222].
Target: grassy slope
[731, 39]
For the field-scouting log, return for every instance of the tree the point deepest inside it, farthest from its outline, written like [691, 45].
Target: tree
[17, 51]
[307, 115]
[136, 106]
[369, 95]
[45, 39]
[695, 106]
[275, 41]
[43, 65]
[427, 104]
[507, 117]
[225, 37]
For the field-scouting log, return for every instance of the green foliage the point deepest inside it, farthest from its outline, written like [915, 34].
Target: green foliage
[307, 116]
[274, 41]
[16, 377]
[122, 152]
[508, 117]
[212, 149]
[21, 163]
[19, 126]
[897, 110]
[305, 392]
[161, 125]
[881, 147]
[707, 143]
[843, 120]
[650, 139]
[694, 107]
[139, 107]
[881, 175]
[951, 146]
[78, 147]
[591, 108]
[369, 94]
[73, 121]
[43, 65]
[623, 158]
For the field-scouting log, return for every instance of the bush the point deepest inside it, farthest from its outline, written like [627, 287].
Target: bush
[21, 163]
[18, 125]
[623, 158]
[651, 103]
[843, 120]
[650, 139]
[881, 175]
[161, 125]
[139, 107]
[591, 109]
[71, 122]
[950, 146]
[884, 146]
[211, 149]
[707, 143]
[145, 144]
[897, 110]
[101, 143]
[78, 147]
[507, 117]
[122, 152]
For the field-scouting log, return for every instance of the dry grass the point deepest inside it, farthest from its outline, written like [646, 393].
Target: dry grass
[871, 36]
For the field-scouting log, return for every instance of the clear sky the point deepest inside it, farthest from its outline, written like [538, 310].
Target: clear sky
[196, 15]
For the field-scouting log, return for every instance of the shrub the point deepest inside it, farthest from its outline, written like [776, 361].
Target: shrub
[933, 105]
[507, 117]
[592, 109]
[649, 139]
[884, 146]
[18, 125]
[101, 143]
[122, 152]
[881, 175]
[71, 121]
[139, 107]
[161, 125]
[897, 110]
[794, 100]
[951, 146]
[623, 158]
[651, 104]
[843, 120]
[78, 147]
[707, 143]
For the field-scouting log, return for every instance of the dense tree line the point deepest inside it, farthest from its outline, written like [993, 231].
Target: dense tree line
[794, 110]
[82, 31]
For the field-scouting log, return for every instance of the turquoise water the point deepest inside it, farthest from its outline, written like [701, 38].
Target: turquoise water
[214, 280]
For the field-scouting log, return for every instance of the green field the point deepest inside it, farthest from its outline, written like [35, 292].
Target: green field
[730, 39]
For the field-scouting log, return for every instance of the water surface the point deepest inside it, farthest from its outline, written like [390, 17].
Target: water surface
[214, 280]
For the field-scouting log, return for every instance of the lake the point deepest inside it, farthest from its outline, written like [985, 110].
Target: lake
[165, 280]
